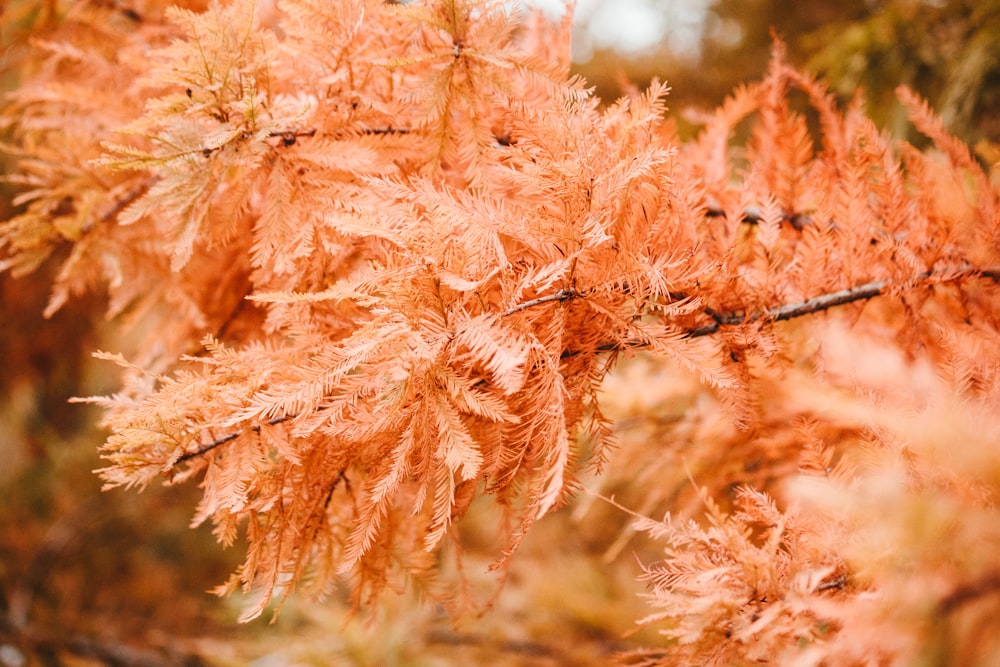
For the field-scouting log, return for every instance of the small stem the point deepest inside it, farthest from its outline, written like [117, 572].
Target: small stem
[386, 130]
[205, 449]
[839, 298]
[229, 437]
[790, 311]
[561, 295]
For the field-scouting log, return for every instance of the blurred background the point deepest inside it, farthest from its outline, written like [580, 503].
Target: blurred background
[118, 578]
[947, 50]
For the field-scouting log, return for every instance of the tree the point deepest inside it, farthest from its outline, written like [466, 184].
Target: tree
[381, 259]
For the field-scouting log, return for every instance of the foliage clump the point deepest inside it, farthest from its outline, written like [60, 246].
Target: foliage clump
[386, 256]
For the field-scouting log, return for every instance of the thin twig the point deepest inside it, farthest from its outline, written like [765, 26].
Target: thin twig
[218, 442]
[386, 130]
[826, 301]
[792, 310]
[205, 449]
[838, 583]
[561, 295]
[289, 137]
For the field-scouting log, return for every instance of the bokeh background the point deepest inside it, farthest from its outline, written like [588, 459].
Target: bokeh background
[119, 578]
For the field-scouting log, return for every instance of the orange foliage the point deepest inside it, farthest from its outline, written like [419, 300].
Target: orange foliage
[412, 248]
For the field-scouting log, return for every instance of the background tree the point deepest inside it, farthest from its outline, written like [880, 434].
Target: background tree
[945, 51]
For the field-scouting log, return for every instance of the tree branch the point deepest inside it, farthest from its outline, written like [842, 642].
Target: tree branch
[826, 301]
[205, 449]
[783, 312]
[229, 437]
[792, 310]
